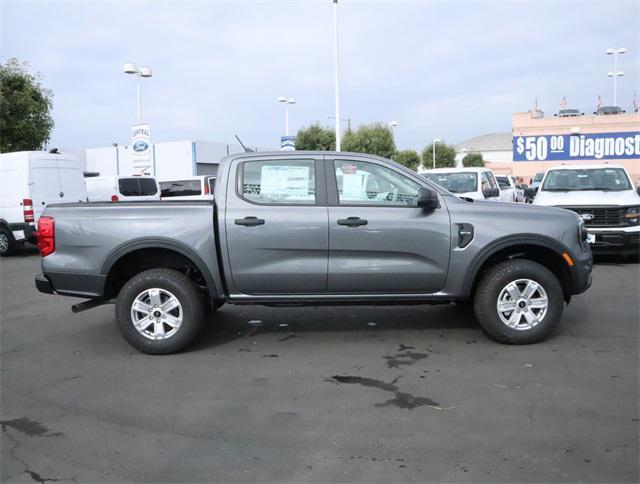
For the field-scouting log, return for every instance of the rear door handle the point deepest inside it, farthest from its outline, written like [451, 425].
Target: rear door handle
[352, 221]
[249, 221]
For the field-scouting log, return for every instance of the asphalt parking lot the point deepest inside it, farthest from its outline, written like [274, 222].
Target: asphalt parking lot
[399, 394]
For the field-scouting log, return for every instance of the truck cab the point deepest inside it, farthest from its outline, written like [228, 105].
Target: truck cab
[470, 183]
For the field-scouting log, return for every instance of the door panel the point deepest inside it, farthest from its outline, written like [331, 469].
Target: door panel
[395, 247]
[277, 234]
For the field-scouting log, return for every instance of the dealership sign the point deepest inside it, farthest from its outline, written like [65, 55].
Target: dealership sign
[566, 147]
[141, 149]
[288, 143]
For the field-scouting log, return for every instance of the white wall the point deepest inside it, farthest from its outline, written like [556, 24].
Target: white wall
[173, 160]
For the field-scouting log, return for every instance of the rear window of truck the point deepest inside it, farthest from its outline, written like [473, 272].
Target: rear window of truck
[180, 188]
[137, 187]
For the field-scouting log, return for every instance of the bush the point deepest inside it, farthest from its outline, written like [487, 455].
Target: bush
[316, 138]
[445, 156]
[374, 139]
[473, 159]
[409, 158]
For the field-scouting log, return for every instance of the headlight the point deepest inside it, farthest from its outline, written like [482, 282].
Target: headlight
[632, 215]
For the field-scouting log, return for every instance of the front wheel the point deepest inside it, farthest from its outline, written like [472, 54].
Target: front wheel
[160, 311]
[519, 302]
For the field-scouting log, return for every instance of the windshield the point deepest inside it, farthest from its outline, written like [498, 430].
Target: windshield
[503, 181]
[605, 179]
[455, 182]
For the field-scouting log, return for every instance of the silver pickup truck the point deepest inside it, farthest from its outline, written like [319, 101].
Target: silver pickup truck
[310, 229]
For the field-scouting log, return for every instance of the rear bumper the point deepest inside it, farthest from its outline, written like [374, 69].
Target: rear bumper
[43, 284]
[71, 284]
[23, 231]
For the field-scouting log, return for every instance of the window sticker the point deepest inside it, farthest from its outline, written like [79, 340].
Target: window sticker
[281, 181]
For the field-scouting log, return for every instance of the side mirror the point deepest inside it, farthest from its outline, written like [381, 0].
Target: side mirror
[638, 189]
[495, 192]
[427, 198]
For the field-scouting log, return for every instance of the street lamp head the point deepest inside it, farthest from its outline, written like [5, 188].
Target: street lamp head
[393, 124]
[282, 99]
[130, 68]
[610, 51]
[622, 50]
[291, 100]
[437, 140]
[620, 73]
[145, 71]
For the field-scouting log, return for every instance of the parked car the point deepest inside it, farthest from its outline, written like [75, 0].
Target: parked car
[532, 189]
[188, 188]
[507, 188]
[122, 188]
[282, 233]
[604, 197]
[29, 181]
[471, 183]
[609, 110]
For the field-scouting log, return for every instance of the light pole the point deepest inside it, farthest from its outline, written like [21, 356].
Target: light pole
[616, 73]
[434, 151]
[286, 101]
[143, 71]
[336, 69]
[346, 120]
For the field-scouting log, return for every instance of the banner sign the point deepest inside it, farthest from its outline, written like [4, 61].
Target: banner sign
[288, 143]
[141, 149]
[567, 147]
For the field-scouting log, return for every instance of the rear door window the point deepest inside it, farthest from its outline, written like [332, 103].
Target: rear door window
[136, 187]
[180, 188]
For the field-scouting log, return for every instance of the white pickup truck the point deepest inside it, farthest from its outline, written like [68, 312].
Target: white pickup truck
[604, 197]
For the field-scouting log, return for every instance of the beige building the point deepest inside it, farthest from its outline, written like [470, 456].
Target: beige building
[537, 143]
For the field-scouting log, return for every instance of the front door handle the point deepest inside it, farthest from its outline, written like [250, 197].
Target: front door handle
[249, 221]
[352, 221]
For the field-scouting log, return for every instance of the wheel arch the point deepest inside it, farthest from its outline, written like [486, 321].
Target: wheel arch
[158, 245]
[539, 248]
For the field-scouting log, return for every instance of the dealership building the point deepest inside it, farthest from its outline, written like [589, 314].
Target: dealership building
[537, 143]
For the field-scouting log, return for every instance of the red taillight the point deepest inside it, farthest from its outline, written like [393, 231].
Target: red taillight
[207, 190]
[114, 198]
[27, 210]
[46, 236]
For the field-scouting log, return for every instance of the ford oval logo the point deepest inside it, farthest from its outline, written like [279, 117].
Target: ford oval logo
[587, 216]
[140, 146]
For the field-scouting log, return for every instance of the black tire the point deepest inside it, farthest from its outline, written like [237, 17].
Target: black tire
[492, 284]
[185, 291]
[8, 244]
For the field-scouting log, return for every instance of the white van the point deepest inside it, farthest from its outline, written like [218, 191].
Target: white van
[122, 188]
[604, 198]
[29, 181]
[473, 183]
[188, 188]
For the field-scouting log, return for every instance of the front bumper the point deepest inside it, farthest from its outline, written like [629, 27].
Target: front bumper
[581, 275]
[616, 241]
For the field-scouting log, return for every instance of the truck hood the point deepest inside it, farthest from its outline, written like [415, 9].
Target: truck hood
[587, 198]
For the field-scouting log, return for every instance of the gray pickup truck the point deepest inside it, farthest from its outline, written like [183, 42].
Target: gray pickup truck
[311, 229]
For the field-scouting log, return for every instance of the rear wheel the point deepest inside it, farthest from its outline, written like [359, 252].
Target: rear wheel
[8, 244]
[160, 311]
[519, 302]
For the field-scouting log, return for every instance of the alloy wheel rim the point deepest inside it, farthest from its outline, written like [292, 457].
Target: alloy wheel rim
[156, 314]
[522, 304]
[4, 242]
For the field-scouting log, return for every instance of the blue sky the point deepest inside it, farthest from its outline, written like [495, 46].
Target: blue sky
[447, 69]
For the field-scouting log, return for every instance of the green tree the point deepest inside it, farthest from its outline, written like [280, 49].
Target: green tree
[316, 137]
[473, 159]
[408, 158]
[445, 156]
[374, 139]
[25, 109]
